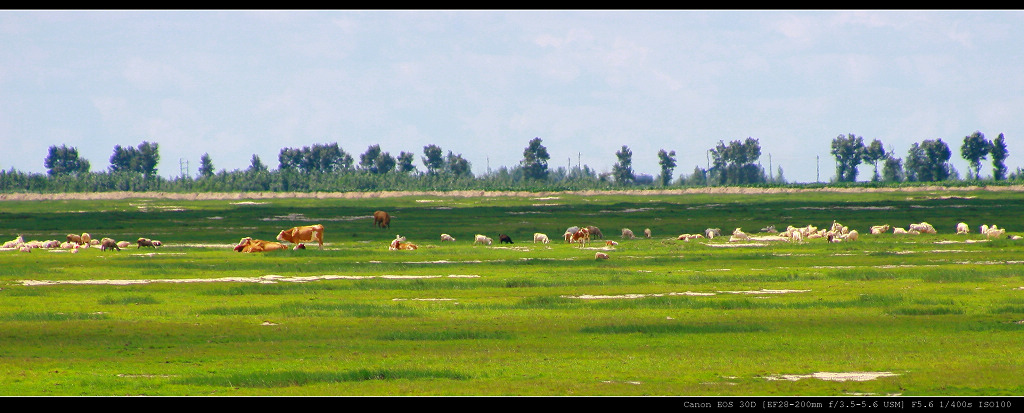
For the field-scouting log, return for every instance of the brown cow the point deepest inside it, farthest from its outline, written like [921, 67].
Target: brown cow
[581, 236]
[248, 244]
[399, 244]
[381, 219]
[307, 233]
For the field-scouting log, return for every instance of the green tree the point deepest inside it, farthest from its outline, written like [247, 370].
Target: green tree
[975, 149]
[149, 157]
[320, 158]
[999, 154]
[736, 163]
[892, 169]
[405, 160]
[433, 159]
[256, 165]
[927, 161]
[849, 152]
[65, 161]
[376, 161]
[667, 160]
[874, 153]
[141, 160]
[206, 166]
[535, 160]
[457, 165]
[623, 169]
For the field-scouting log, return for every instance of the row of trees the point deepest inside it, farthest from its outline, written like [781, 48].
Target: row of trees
[329, 167]
[926, 161]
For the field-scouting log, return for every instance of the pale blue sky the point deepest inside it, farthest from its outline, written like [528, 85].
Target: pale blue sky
[483, 83]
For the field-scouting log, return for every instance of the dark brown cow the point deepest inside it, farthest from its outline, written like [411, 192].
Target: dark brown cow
[381, 219]
[307, 233]
[504, 239]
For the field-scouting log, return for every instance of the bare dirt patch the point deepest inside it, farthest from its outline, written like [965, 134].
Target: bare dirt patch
[266, 279]
[469, 194]
[687, 293]
[850, 376]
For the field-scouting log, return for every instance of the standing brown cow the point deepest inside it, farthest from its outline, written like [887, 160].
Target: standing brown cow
[308, 233]
[381, 219]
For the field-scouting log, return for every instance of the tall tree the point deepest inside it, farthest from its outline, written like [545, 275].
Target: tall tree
[206, 166]
[927, 161]
[999, 154]
[256, 165]
[320, 158]
[623, 168]
[974, 150]
[736, 163]
[65, 161]
[535, 160]
[892, 169]
[849, 152]
[142, 159]
[149, 157]
[667, 160]
[433, 159]
[376, 161]
[405, 162]
[873, 153]
[457, 165]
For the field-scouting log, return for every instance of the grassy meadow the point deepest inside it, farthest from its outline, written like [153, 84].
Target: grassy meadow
[939, 314]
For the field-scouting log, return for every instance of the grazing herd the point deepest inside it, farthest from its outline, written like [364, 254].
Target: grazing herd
[578, 235]
[75, 242]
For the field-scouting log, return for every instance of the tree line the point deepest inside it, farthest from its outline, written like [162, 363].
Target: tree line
[328, 167]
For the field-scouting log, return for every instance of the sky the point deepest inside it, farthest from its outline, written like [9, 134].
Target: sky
[483, 83]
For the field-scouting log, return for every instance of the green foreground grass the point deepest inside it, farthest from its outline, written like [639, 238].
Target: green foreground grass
[943, 314]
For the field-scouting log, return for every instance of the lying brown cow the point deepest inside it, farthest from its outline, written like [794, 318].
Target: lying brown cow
[381, 219]
[307, 233]
[398, 244]
[248, 244]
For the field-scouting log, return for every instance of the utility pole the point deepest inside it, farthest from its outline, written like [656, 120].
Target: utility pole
[183, 165]
[770, 177]
[817, 168]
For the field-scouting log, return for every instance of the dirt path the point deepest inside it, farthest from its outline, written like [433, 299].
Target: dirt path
[392, 194]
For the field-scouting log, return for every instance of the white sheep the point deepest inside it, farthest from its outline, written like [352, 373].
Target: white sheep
[850, 236]
[446, 237]
[627, 233]
[880, 229]
[600, 256]
[15, 243]
[962, 228]
[481, 239]
[647, 232]
[540, 237]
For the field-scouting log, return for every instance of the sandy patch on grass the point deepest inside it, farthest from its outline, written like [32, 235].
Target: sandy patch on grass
[687, 293]
[737, 245]
[851, 376]
[422, 299]
[299, 216]
[266, 279]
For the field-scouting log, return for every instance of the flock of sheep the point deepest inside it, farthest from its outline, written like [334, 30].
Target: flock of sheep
[834, 234]
[75, 242]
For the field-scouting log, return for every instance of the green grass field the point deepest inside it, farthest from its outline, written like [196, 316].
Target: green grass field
[938, 314]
